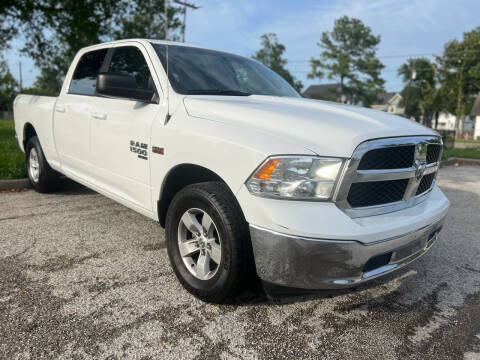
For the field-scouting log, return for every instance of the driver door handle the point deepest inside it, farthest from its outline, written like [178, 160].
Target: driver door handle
[99, 116]
[60, 109]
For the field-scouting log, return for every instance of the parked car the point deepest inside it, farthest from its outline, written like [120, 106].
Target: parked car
[247, 177]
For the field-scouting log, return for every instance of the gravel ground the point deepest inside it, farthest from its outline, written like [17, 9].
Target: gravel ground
[83, 277]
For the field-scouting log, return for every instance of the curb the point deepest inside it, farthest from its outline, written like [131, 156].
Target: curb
[14, 184]
[459, 161]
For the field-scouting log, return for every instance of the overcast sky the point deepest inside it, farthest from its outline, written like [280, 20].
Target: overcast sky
[407, 27]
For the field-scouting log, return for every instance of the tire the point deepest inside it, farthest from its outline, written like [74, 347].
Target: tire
[42, 177]
[224, 279]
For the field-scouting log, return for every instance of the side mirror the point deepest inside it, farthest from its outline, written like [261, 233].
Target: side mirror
[122, 86]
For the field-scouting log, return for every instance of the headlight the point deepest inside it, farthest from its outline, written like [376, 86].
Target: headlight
[296, 178]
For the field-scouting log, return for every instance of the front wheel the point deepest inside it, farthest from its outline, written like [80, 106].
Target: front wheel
[208, 242]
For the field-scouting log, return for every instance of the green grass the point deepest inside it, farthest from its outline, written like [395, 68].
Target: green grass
[12, 160]
[469, 141]
[473, 153]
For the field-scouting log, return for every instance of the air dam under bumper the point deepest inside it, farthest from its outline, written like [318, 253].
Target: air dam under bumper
[308, 263]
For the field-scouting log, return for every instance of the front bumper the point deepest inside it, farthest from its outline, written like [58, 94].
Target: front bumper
[310, 263]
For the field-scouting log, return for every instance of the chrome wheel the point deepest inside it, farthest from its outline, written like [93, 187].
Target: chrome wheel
[199, 244]
[33, 165]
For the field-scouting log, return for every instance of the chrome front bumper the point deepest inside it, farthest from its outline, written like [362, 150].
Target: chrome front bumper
[308, 263]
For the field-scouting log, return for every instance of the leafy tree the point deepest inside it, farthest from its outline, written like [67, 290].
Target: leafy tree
[56, 29]
[349, 55]
[435, 100]
[145, 19]
[271, 55]
[419, 77]
[459, 73]
[8, 86]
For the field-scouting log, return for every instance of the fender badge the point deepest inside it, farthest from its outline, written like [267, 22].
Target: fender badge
[158, 150]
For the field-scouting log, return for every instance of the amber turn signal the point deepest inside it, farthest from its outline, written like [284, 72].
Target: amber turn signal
[266, 170]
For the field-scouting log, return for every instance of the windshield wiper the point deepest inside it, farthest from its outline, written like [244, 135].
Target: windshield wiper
[217, 92]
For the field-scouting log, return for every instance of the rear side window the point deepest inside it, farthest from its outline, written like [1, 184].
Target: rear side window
[129, 60]
[85, 75]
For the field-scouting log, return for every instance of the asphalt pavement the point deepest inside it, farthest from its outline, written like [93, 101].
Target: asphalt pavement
[86, 278]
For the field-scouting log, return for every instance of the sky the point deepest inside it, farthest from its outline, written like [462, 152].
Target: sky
[407, 28]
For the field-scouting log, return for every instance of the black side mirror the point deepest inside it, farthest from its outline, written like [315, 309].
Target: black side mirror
[121, 86]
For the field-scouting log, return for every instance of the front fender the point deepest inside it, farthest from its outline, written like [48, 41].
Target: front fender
[229, 151]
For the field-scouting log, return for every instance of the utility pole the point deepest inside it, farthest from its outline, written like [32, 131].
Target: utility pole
[185, 5]
[20, 75]
[413, 75]
[165, 6]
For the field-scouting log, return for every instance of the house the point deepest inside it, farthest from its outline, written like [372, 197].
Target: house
[327, 92]
[448, 121]
[475, 116]
[389, 102]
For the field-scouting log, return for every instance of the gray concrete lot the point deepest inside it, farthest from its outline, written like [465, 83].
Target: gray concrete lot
[83, 277]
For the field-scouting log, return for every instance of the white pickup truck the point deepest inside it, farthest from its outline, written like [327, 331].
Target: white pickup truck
[247, 177]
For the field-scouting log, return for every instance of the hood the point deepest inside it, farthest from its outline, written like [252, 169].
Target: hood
[326, 128]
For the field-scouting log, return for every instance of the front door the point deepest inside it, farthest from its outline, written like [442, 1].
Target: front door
[120, 131]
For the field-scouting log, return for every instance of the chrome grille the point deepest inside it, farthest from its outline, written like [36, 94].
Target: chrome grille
[389, 174]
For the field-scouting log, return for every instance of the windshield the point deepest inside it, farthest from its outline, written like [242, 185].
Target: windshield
[201, 71]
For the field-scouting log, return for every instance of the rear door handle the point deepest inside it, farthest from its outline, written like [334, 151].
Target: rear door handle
[60, 109]
[99, 116]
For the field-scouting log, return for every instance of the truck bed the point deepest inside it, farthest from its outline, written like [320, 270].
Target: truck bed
[37, 111]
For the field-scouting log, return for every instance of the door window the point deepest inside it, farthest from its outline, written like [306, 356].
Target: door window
[129, 60]
[85, 75]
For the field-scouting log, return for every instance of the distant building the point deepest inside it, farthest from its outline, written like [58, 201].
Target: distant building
[475, 116]
[327, 92]
[389, 102]
[448, 121]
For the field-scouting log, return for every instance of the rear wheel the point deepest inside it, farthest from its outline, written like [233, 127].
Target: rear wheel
[42, 177]
[208, 242]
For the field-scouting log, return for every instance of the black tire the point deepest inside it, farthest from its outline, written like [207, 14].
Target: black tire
[236, 270]
[48, 179]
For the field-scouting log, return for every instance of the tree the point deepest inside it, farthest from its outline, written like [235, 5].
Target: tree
[8, 86]
[349, 55]
[140, 20]
[56, 29]
[459, 73]
[271, 55]
[419, 77]
[435, 100]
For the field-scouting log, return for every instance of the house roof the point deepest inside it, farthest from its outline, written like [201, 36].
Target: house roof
[322, 91]
[476, 107]
[384, 97]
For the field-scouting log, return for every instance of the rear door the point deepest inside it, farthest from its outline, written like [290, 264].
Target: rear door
[120, 130]
[72, 116]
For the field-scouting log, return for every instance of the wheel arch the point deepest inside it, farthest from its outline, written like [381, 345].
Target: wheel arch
[176, 179]
[28, 132]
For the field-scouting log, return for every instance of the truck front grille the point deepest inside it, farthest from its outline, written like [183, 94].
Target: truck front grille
[425, 183]
[388, 158]
[376, 192]
[433, 153]
[389, 174]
